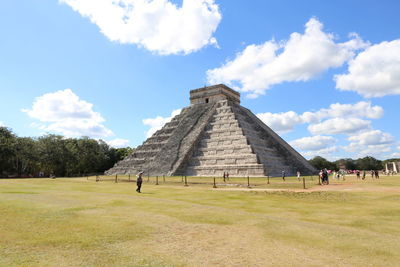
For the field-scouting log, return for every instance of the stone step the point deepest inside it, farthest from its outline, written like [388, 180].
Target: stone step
[221, 135]
[233, 170]
[223, 161]
[133, 162]
[227, 116]
[223, 150]
[224, 109]
[224, 132]
[224, 126]
[223, 142]
[262, 147]
[224, 122]
[146, 153]
[231, 156]
[158, 138]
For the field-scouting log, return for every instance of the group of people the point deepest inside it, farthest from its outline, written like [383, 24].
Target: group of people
[226, 176]
[324, 175]
[284, 175]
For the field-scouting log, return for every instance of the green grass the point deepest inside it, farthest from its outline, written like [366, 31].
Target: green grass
[80, 222]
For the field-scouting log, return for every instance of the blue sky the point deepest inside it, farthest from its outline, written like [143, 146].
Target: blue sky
[324, 74]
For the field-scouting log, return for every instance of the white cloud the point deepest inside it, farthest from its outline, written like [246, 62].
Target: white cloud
[301, 58]
[158, 122]
[118, 142]
[340, 126]
[2, 124]
[157, 25]
[359, 109]
[281, 122]
[285, 122]
[325, 152]
[370, 143]
[395, 155]
[313, 143]
[377, 151]
[64, 112]
[373, 137]
[375, 72]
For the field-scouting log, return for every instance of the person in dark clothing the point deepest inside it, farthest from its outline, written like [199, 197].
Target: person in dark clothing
[325, 177]
[376, 174]
[283, 175]
[139, 181]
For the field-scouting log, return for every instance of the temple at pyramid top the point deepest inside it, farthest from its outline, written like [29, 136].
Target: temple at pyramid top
[213, 135]
[214, 93]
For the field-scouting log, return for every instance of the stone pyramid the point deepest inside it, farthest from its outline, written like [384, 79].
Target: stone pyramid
[215, 134]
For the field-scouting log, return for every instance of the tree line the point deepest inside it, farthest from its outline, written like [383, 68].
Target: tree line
[55, 155]
[366, 163]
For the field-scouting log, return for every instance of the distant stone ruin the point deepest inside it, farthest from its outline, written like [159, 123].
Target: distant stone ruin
[213, 135]
[392, 167]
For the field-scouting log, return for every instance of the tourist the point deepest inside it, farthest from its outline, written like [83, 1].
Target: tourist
[372, 174]
[358, 174]
[363, 177]
[298, 175]
[376, 174]
[325, 179]
[139, 181]
[224, 176]
[283, 175]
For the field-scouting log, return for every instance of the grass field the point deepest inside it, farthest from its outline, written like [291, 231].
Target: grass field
[80, 222]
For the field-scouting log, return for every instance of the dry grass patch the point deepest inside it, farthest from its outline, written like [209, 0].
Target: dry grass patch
[78, 222]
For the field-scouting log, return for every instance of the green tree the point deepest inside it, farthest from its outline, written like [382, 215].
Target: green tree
[348, 164]
[52, 154]
[25, 159]
[7, 150]
[321, 163]
[369, 163]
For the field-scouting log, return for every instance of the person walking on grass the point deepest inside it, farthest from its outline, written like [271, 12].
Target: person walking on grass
[283, 175]
[139, 181]
[376, 174]
[298, 175]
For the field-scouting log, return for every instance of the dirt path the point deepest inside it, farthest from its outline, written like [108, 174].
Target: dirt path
[319, 188]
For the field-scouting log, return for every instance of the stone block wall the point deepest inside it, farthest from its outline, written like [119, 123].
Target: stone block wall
[209, 139]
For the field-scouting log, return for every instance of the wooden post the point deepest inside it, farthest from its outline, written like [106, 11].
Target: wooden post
[148, 177]
[304, 183]
[248, 181]
[129, 178]
[163, 178]
[156, 180]
[116, 178]
[214, 186]
[186, 181]
[268, 179]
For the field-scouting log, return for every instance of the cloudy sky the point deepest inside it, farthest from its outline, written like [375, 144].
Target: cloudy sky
[325, 75]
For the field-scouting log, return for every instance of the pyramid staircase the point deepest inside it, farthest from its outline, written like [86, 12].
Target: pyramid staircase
[209, 138]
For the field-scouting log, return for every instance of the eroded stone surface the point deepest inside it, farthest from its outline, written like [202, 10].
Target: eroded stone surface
[212, 136]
